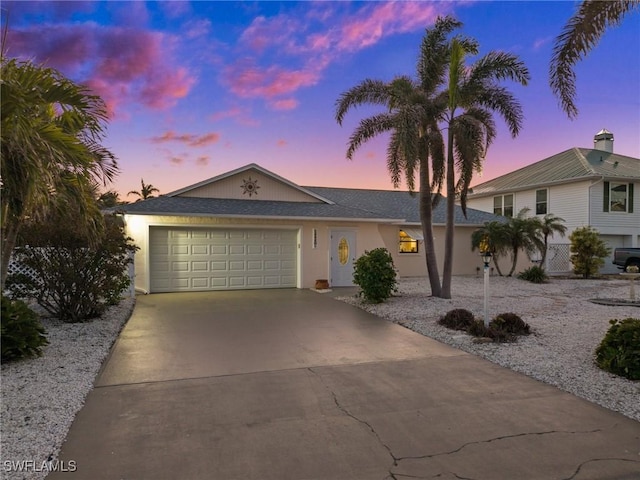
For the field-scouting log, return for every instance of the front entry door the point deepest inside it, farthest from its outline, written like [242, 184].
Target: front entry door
[343, 257]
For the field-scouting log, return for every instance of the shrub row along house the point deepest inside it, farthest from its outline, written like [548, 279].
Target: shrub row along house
[251, 228]
[584, 186]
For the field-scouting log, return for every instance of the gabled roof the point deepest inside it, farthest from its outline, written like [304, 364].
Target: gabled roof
[229, 207]
[381, 206]
[251, 166]
[571, 165]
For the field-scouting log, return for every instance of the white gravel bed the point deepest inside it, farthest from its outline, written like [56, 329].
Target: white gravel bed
[566, 329]
[41, 396]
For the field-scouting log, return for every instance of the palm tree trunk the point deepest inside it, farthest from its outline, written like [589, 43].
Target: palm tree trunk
[543, 260]
[495, 262]
[9, 238]
[514, 261]
[426, 217]
[450, 222]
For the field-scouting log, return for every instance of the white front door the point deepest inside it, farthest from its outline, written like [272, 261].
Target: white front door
[343, 257]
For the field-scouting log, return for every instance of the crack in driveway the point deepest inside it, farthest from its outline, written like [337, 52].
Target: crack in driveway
[397, 459]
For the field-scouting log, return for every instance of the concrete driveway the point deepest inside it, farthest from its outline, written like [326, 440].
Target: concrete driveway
[290, 384]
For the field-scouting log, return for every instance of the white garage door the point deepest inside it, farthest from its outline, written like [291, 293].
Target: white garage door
[191, 259]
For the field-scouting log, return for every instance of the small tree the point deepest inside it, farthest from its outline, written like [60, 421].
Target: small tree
[587, 251]
[72, 279]
[375, 274]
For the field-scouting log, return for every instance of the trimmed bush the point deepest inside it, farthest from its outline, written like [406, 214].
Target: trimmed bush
[535, 274]
[458, 319]
[505, 327]
[375, 274]
[73, 278]
[510, 323]
[619, 351]
[23, 336]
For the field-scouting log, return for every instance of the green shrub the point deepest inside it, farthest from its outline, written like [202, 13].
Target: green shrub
[588, 251]
[479, 329]
[619, 351]
[505, 327]
[375, 274]
[23, 335]
[535, 274]
[457, 319]
[510, 323]
[74, 278]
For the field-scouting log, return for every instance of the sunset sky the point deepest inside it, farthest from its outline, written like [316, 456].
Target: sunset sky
[195, 89]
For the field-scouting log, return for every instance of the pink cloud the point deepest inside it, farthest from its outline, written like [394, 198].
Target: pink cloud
[284, 104]
[123, 65]
[176, 161]
[335, 32]
[264, 33]
[281, 143]
[188, 139]
[202, 161]
[247, 80]
[378, 20]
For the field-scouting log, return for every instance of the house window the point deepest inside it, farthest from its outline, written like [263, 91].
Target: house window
[407, 244]
[541, 202]
[503, 205]
[618, 197]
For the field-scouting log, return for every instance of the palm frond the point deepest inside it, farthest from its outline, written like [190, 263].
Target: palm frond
[579, 36]
[367, 92]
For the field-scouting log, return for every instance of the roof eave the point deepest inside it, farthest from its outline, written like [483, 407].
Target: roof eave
[269, 217]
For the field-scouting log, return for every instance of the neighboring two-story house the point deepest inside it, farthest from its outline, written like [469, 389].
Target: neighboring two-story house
[583, 186]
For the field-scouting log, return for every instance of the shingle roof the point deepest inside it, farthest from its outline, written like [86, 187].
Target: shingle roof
[399, 204]
[223, 207]
[391, 206]
[570, 165]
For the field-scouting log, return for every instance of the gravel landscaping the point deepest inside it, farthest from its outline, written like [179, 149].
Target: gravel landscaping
[566, 329]
[41, 396]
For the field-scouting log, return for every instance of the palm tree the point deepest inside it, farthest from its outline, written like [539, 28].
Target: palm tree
[109, 199]
[579, 36]
[473, 95]
[146, 191]
[523, 233]
[50, 150]
[495, 234]
[411, 117]
[550, 224]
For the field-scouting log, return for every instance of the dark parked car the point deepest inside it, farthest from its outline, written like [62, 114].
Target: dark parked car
[626, 257]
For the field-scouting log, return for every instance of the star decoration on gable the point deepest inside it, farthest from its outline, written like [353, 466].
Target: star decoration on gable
[249, 186]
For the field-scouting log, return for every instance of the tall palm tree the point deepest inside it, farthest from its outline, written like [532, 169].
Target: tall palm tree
[550, 224]
[579, 36]
[411, 116]
[146, 191]
[50, 150]
[473, 95]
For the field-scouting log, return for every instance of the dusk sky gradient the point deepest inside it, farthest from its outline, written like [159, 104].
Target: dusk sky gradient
[195, 89]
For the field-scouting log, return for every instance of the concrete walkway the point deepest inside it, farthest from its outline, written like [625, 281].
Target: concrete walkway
[289, 384]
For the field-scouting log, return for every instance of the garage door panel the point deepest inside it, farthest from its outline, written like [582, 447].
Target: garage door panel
[199, 266]
[184, 259]
[200, 250]
[200, 283]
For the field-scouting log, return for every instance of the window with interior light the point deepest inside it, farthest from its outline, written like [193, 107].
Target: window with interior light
[503, 205]
[406, 244]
